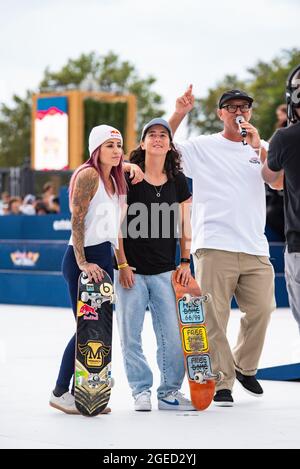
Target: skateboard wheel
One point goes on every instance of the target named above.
(207, 298)
(106, 289)
(111, 382)
(186, 298)
(113, 299)
(199, 378)
(84, 296)
(84, 279)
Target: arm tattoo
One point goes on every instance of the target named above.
(86, 185)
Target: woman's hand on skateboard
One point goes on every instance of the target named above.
(183, 274)
(126, 277)
(93, 271)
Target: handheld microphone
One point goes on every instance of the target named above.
(239, 120)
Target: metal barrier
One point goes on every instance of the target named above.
(21, 180)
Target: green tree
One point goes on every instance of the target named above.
(15, 123)
(109, 73)
(266, 83)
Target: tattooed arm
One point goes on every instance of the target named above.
(86, 185)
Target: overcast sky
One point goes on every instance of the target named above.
(177, 41)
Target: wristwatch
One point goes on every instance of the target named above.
(185, 260)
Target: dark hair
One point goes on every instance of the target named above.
(41, 206)
(172, 162)
(12, 200)
(279, 124)
(47, 186)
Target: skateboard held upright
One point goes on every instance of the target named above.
(191, 320)
(92, 375)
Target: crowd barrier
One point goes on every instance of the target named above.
(31, 252)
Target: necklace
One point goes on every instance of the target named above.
(158, 191)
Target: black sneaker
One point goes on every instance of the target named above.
(223, 398)
(250, 384)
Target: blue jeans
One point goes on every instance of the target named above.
(156, 292)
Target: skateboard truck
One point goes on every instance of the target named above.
(94, 381)
(202, 378)
(205, 298)
(96, 299)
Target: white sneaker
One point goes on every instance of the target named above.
(66, 403)
(175, 401)
(142, 401)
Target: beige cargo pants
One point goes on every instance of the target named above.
(250, 279)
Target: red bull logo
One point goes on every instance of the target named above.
(115, 134)
(88, 313)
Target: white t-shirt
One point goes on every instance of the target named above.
(102, 221)
(229, 202)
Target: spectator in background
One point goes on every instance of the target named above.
(4, 203)
(48, 195)
(281, 113)
(27, 208)
(275, 211)
(4, 198)
(54, 206)
(48, 191)
(41, 208)
(14, 205)
(4, 210)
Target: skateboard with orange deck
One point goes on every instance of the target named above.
(191, 319)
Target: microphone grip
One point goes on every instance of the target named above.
(243, 132)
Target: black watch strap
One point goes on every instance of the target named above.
(184, 260)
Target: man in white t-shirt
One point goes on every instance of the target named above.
(230, 250)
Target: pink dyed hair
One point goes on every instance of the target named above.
(117, 173)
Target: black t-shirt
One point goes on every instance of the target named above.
(150, 228)
(284, 153)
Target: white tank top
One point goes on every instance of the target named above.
(102, 220)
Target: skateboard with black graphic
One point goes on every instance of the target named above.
(93, 381)
(191, 319)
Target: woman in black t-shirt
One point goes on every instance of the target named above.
(146, 260)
